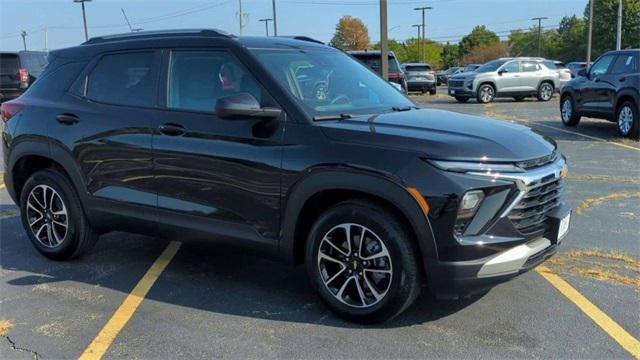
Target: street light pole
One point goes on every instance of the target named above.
(619, 29)
(418, 38)
(266, 25)
(84, 18)
(384, 46)
(589, 36)
(275, 18)
(424, 47)
(24, 39)
(540, 33)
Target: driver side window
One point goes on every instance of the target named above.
(512, 67)
(601, 66)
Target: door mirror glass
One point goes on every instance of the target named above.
(243, 106)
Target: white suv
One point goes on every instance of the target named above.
(506, 77)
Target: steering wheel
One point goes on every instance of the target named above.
(340, 97)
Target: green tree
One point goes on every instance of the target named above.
(410, 51)
(605, 14)
(351, 34)
(525, 43)
(572, 36)
(450, 55)
(480, 35)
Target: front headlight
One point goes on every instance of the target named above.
(476, 167)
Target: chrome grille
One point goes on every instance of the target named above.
(456, 83)
(529, 215)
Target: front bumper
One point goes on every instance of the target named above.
(460, 91)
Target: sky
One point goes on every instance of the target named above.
(449, 20)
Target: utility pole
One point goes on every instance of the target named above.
(84, 18)
(128, 23)
(418, 38)
(424, 47)
(619, 30)
(384, 46)
(46, 38)
(266, 25)
(24, 40)
(275, 19)
(240, 16)
(589, 36)
(540, 33)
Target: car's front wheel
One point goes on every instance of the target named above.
(568, 111)
(432, 91)
(486, 93)
(52, 215)
(628, 121)
(362, 262)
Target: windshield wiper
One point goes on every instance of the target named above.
(332, 117)
(403, 108)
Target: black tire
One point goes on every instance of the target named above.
(569, 115)
(432, 92)
(628, 108)
(486, 93)
(518, 98)
(545, 91)
(462, 99)
(78, 237)
(405, 278)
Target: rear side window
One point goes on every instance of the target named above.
(124, 79)
(9, 64)
(528, 66)
(418, 68)
(625, 64)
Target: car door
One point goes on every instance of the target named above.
(594, 96)
(216, 177)
(619, 76)
(508, 79)
(530, 77)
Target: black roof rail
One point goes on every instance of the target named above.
(158, 34)
(304, 38)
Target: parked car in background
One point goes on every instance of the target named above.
(575, 67)
(609, 90)
(420, 77)
(442, 77)
(471, 67)
(564, 74)
(18, 70)
(372, 59)
(196, 134)
(506, 77)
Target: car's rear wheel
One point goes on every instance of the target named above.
(568, 112)
(545, 91)
(53, 217)
(462, 99)
(362, 262)
(486, 93)
(628, 121)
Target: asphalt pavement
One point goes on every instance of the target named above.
(216, 302)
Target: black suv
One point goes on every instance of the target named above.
(18, 70)
(609, 90)
(201, 134)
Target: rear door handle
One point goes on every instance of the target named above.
(622, 79)
(67, 119)
(171, 129)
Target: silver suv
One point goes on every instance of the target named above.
(506, 77)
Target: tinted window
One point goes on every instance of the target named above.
(124, 79)
(528, 66)
(601, 66)
(374, 62)
(198, 78)
(625, 64)
(34, 62)
(512, 67)
(9, 64)
(490, 66)
(418, 68)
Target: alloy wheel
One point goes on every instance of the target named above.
(47, 216)
(355, 265)
(546, 92)
(486, 94)
(625, 120)
(567, 109)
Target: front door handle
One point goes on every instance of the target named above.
(171, 129)
(67, 119)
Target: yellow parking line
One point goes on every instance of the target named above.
(2, 186)
(600, 199)
(101, 343)
(619, 334)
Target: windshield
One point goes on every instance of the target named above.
(328, 82)
(491, 66)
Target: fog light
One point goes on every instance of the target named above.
(469, 204)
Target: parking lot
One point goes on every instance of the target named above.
(205, 301)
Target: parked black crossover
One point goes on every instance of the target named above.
(18, 70)
(200, 134)
(609, 90)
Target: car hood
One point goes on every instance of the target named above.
(465, 75)
(440, 134)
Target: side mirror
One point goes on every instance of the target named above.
(502, 71)
(582, 72)
(242, 106)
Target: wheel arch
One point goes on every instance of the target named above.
(626, 95)
(316, 192)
